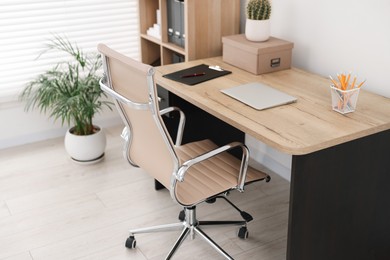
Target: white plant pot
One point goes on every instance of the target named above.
(86, 148)
(257, 30)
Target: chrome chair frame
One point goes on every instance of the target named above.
(179, 171)
(189, 224)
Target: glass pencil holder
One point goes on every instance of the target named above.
(344, 101)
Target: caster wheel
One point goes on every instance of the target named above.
(243, 233)
(131, 242)
(211, 201)
(182, 215)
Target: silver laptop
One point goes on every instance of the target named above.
(259, 96)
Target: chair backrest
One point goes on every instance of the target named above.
(149, 146)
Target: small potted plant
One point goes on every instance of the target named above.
(70, 91)
(257, 26)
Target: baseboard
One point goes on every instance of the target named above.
(32, 138)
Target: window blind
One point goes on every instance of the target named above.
(27, 25)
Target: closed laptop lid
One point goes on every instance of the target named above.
(259, 96)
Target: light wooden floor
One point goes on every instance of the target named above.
(52, 209)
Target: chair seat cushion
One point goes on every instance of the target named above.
(210, 177)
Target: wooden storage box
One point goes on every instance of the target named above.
(257, 57)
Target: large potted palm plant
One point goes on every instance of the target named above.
(70, 91)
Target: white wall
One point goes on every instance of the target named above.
(19, 127)
(331, 37)
(334, 36)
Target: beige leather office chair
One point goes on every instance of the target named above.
(194, 172)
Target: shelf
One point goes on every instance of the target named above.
(151, 38)
(169, 56)
(205, 22)
(174, 48)
(167, 45)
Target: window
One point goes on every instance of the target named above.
(27, 25)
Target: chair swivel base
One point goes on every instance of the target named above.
(190, 226)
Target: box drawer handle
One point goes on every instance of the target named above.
(275, 62)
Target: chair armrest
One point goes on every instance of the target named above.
(180, 127)
(243, 167)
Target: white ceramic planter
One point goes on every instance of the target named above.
(86, 148)
(257, 30)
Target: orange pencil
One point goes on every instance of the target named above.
(346, 83)
(361, 83)
(334, 82)
(353, 82)
(340, 77)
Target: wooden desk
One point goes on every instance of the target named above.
(340, 173)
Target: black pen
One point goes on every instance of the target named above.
(193, 75)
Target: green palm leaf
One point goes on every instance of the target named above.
(70, 91)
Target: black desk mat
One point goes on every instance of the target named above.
(186, 76)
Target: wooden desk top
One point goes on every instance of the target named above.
(300, 128)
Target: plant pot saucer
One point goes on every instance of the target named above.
(88, 162)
